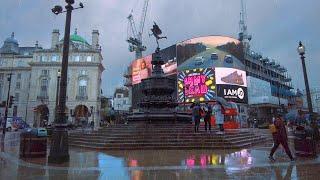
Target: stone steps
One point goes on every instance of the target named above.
(161, 136)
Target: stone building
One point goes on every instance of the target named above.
(15, 60)
(121, 100)
(42, 67)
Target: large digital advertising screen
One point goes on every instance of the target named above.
(206, 46)
(231, 76)
(231, 84)
(233, 93)
(196, 85)
(141, 69)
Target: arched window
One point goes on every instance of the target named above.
(44, 87)
(83, 83)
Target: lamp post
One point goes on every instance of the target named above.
(59, 150)
(57, 92)
(301, 51)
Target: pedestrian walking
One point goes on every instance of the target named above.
(279, 135)
(207, 118)
(219, 115)
(92, 125)
(196, 113)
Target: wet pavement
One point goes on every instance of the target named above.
(249, 163)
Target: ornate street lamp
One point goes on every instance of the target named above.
(59, 150)
(301, 50)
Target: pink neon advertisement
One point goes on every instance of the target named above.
(196, 85)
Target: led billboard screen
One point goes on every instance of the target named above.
(233, 93)
(231, 76)
(196, 85)
(232, 84)
(141, 69)
(207, 46)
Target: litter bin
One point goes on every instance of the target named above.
(32, 145)
(304, 142)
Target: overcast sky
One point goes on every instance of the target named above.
(276, 26)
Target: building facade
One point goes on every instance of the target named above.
(15, 60)
(41, 73)
(121, 100)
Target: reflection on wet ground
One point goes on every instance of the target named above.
(157, 164)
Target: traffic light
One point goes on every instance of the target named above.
(11, 101)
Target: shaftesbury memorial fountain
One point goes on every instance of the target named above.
(158, 104)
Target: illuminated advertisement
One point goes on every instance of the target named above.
(196, 85)
(231, 76)
(211, 49)
(233, 93)
(141, 69)
(232, 84)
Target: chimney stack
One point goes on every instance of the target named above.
(55, 38)
(95, 39)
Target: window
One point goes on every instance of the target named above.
(54, 58)
(44, 87)
(45, 72)
(43, 58)
(20, 63)
(19, 76)
(18, 85)
(83, 72)
(1, 76)
(83, 88)
(89, 58)
(124, 102)
(76, 58)
(16, 97)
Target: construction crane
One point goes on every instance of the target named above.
(243, 35)
(135, 37)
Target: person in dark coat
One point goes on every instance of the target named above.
(280, 137)
(207, 118)
(196, 116)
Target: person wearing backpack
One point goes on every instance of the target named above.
(279, 135)
(219, 115)
(196, 116)
(207, 118)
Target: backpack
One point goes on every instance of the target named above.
(272, 128)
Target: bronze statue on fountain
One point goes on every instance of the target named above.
(158, 104)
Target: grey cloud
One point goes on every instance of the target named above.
(276, 25)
